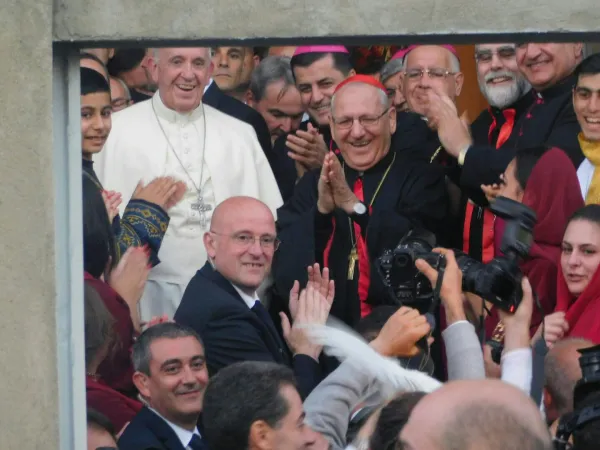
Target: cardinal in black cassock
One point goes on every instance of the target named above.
(359, 204)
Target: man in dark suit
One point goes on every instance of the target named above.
(215, 97)
(220, 302)
(171, 376)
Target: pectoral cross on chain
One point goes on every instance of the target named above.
(202, 208)
(352, 260)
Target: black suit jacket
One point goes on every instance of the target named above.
(216, 98)
(232, 332)
(148, 431)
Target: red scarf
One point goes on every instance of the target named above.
(583, 312)
(118, 408)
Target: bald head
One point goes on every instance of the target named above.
(469, 415)
(562, 371)
(242, 241)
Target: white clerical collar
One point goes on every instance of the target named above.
(185, 436)
(208, 85)
(248, 299)
(173, 116)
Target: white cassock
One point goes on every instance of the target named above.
(233, 164)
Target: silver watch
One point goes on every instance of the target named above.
(359, 208)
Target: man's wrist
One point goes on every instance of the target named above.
(322, 209)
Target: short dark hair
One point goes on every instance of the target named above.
(370, 325)
(341, 61)
(98, 323)
(85, 55)
(99, 247)
(238, 396)
(100, 422)
(125, 59)
(589, 66)
(589, 213)
(141, 354)
(526, 159)
(92, 82)
(473, 425)
(392, 419)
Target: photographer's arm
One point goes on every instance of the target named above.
(516, 362)
(465, 359)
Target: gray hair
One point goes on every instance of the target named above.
(141, 354)
(454, 62)
(391, 68)
(383, 98)
(270, 70)
(124, 86)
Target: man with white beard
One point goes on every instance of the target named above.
(505, 89)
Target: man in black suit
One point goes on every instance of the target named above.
(215, 97)
(221, 305)
(171, 376)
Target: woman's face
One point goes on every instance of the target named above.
(580, 254)
(511, 187)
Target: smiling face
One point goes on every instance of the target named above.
(499, 78)
(177, 380)
(545, 65)
(395, 93)
(182, 74)
(96, 110)
(234, 242)
(586, 102)
(441, 77)
(316, 84)
(362, 124)
(580, 255)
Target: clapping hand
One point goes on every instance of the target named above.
(308, 147)
(453, 131)
(112, 200)
(165, 192)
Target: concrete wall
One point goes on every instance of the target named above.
(28, 374)
(113, 20)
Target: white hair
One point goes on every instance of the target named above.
(156, 51)
(383, 98)
(454, 62)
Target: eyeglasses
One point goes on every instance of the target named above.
(366, 121)
(246, 240)
(485, 56)
(436, 73)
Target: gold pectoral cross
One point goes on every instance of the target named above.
(352, 259)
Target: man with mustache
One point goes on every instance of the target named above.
(550, 119)
(346, 213)
(175, 134)
(391, 75)
(171, 377)
(505, 89)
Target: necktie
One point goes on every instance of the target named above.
(262, 313)
(197, 444)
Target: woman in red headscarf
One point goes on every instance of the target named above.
(545, 180)
(578, 289)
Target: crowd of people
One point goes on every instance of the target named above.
(311, 247)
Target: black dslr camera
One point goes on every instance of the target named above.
(588, 385)
(499, 281)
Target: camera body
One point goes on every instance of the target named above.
(499, 281)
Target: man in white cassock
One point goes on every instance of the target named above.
(175, 134)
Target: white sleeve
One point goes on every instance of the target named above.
(517, 368)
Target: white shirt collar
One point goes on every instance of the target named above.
(208, 85)
(248, 299)
(185, 436)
